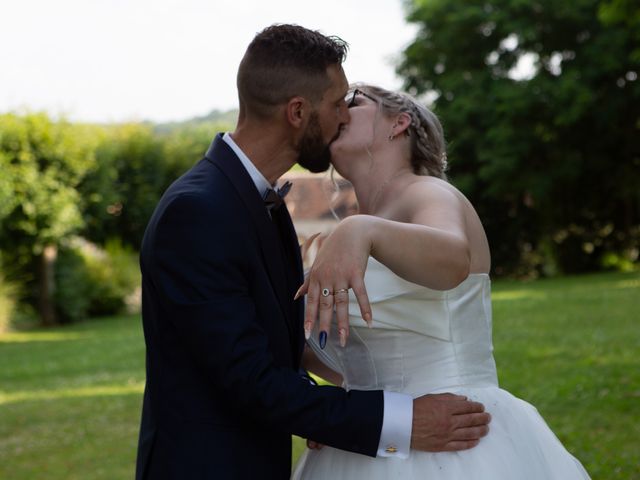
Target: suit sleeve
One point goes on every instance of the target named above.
(198, 263)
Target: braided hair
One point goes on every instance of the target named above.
(427, 143)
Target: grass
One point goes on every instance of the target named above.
(70, 398)
(70, 401)
(571, 347)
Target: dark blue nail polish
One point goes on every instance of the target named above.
(323, 339)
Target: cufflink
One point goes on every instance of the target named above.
(391, 449)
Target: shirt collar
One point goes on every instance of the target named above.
(261, 183)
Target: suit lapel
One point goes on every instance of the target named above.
(294, 274)
(291, 242)
(221, 155)
(298, 310)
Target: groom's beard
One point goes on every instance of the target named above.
(314, 154)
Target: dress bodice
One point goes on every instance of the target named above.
(422, 340)
(427, 341)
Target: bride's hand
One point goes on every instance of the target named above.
(339, 266)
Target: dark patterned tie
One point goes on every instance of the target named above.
(274, 198)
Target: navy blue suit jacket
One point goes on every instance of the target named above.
(224, 337)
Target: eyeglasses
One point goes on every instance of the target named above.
(351, 102)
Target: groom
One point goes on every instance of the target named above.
(220, 266)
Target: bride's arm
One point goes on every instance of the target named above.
(431, 249)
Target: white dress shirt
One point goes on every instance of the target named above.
(261, 183)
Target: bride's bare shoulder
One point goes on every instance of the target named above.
(426, 191)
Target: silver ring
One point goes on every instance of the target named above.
(326, 292)
(342, 290)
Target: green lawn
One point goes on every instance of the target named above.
(70, 397)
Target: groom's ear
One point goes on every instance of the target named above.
(297, 111)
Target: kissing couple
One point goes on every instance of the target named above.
(395, 309)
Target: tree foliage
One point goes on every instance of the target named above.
(125, 184)
(540, 102)
(59, 181)
(42, 164)
(135, 165)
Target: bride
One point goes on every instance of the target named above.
(425, 298)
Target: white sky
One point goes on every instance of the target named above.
(162, 60)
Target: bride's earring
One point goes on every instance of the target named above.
(392, 136)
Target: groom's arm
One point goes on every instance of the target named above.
(432, 423)
(199, 262)
(443, 422)
(395, 437)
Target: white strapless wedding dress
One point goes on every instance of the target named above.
(427, 341)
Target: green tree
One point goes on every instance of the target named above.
(42, 163)
(135, 165)
(185, 144)
(541, 105)
(125, 184)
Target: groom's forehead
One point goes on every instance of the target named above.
(339, 86)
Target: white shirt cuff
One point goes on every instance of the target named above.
(395, 438)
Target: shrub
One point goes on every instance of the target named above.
(72, 280)
(114, 277)
(91, 281)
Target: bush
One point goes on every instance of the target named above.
(94, 282)
(72, 279)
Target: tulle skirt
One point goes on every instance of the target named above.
(519, 446)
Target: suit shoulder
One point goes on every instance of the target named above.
(203, 189)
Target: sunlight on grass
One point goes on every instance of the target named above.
(633, 283)
(517, 295)
(24, 337)
(79, 392)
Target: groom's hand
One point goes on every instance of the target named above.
(447, 422)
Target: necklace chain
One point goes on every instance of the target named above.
(374, 202)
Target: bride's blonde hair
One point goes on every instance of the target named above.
(427, 143)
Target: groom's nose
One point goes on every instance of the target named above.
(346, 117)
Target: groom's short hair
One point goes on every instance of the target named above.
(284, 61)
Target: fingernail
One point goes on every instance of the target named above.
(307, 332)
(343, 337)
(297, 295)
(323, 339)
(367, 318)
